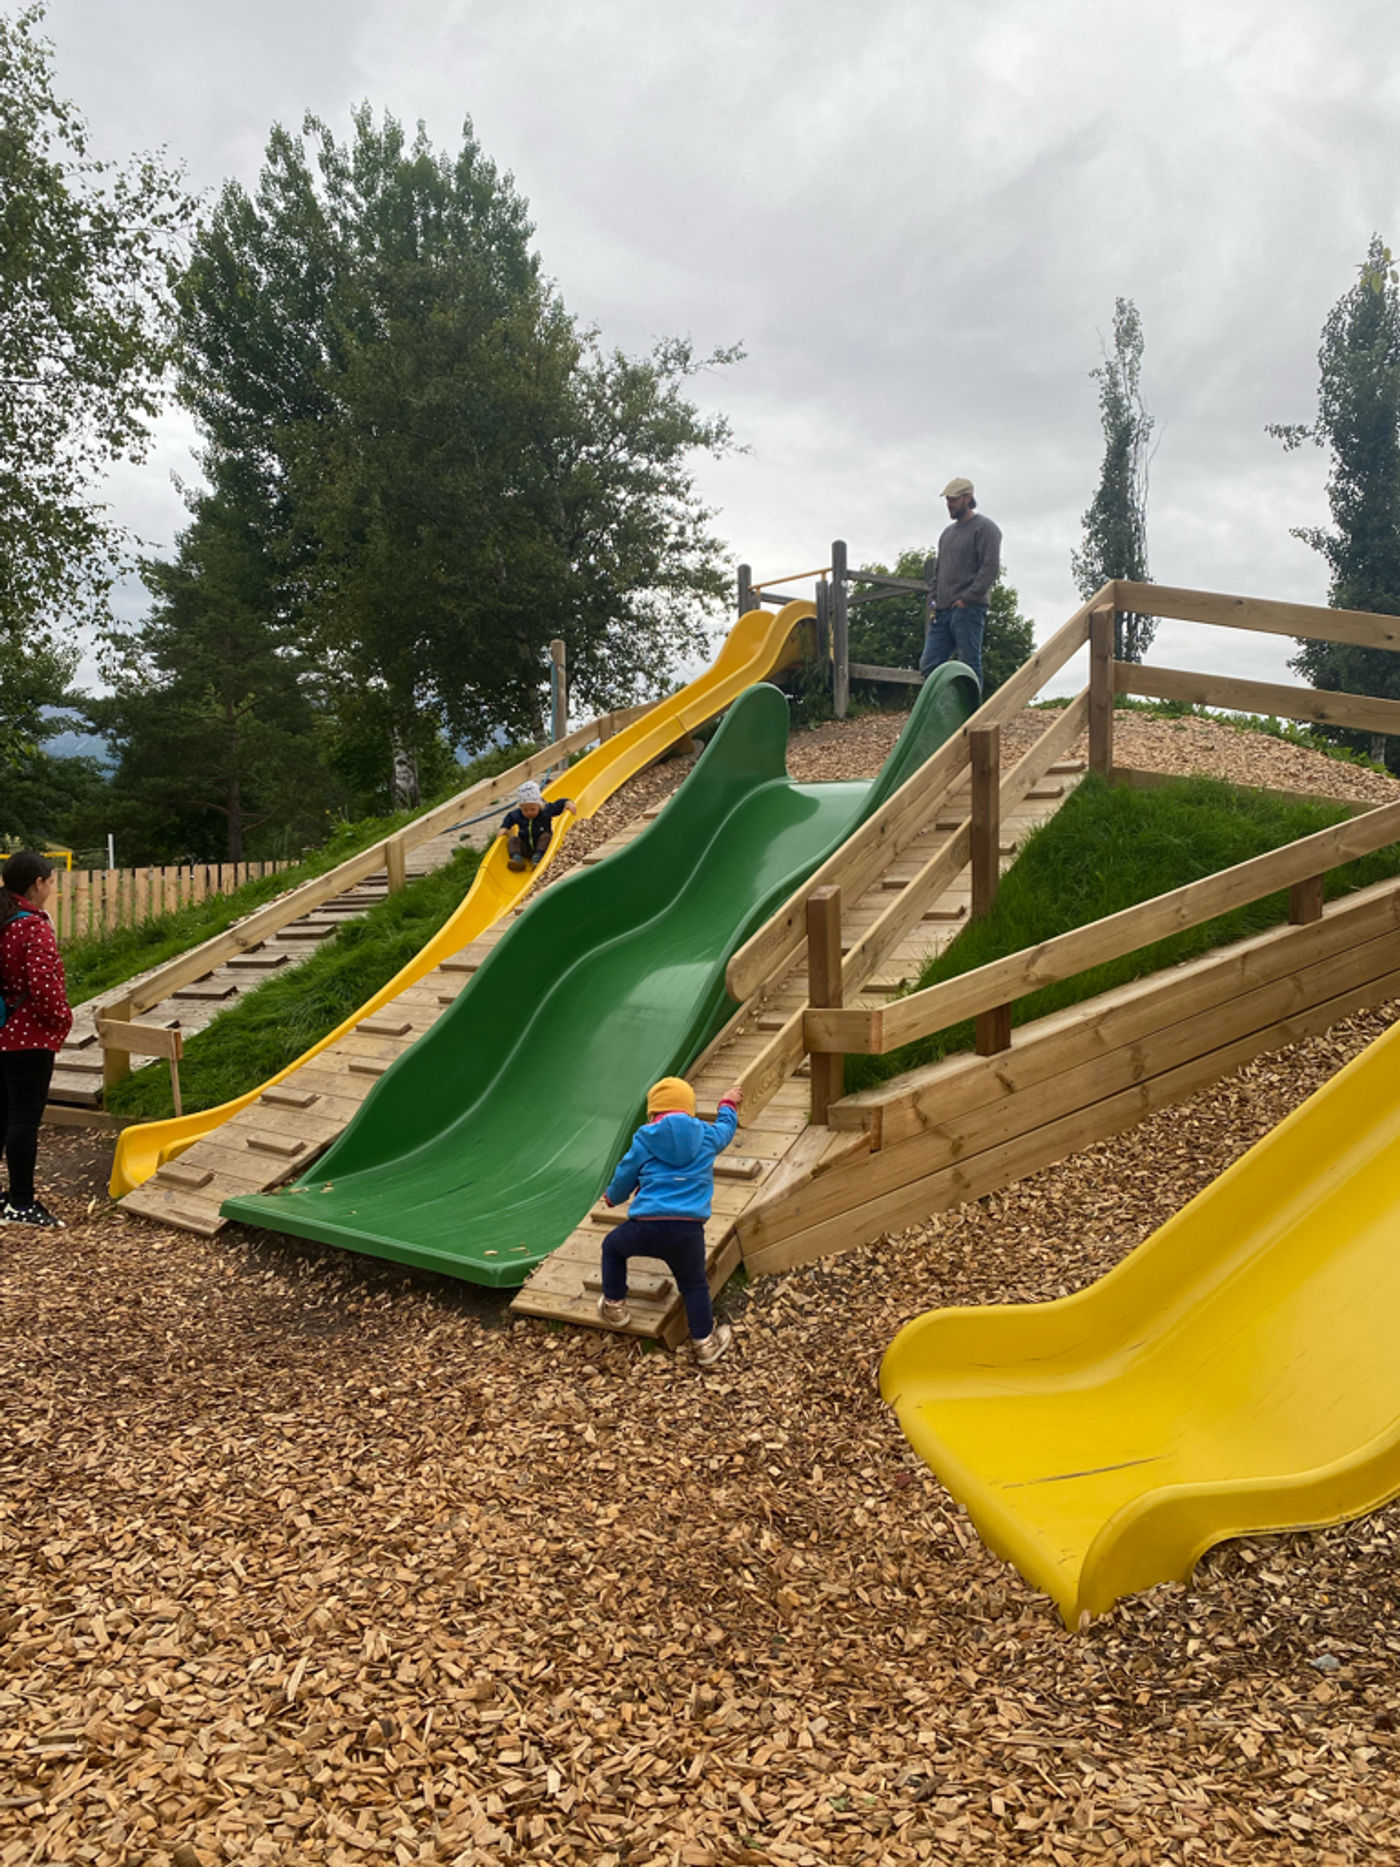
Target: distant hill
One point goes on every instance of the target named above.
(76, 744)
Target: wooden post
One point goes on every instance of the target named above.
(395, 863)
(840, 637)
(116, 1064)
(1306, 900)
(746, 602)
(985, 742)
(824, 990)
(559, 691)
(1101, 692)
(992, 1028)
(823, 621)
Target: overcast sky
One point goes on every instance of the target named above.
(915, 216)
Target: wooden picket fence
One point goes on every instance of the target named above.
(96, 901)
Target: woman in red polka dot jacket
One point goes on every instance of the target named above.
(36, 1021)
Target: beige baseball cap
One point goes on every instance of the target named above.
(956, 487)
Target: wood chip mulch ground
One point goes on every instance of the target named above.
(306, 1559)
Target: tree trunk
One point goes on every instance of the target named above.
(1378, 747)
(235, 821)
(404, 792)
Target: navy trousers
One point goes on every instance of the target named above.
(680, 1245)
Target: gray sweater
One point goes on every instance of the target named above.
(969, 556)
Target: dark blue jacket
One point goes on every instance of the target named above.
(672, 1164)
(534, 832)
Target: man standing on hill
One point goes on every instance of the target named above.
(969, 557)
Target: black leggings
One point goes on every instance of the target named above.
(24, 1089)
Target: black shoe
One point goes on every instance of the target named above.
(33, 1214)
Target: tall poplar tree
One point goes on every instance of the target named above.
(1115, 525)
(1358, 420)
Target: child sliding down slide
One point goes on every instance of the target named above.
(529, 827)
(671, 1166)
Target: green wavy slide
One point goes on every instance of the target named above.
(484, 1145)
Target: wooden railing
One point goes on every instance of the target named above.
(987, 994)
(783, 939)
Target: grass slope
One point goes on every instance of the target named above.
(1108, 849)
(271, 1027)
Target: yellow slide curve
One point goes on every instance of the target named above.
(1237, 1373)
(759, 644)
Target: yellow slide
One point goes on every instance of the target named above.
(1237, 1373)
(759, 644)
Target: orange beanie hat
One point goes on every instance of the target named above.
(670, 1096)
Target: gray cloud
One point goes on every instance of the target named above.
(916, 218)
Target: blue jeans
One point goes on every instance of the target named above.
(954, 635)
(680, 1245)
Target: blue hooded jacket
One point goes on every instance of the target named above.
(671, 1161)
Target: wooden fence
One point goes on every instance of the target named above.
(96, 901)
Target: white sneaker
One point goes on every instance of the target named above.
(714, 1346)
(615, 1315)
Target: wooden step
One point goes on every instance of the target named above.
(285, 1147)
(737, 1167)
(257, 962)
(368, 1066)
(189, 1179)
(286, 1096)
(207, 992)
(384, 1027)
(642, 1286)
(307, 930)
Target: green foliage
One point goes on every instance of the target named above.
(33, 675)
(1358, 419)
(447, 471)
(212, 712)
(43, 797)
(890, 633)
(1115, 525)
(271, 1027)
(1107, 849)
(83, 327)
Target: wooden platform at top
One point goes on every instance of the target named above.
(776, 1131)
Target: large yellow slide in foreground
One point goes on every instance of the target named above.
(759, 644)
(1237, 1373)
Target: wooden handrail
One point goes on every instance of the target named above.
(873, 1033)
(1311, 621)
(778, 943)
(1360, 712)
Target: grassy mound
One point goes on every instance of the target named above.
(271, 1027)
(1110, 848)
